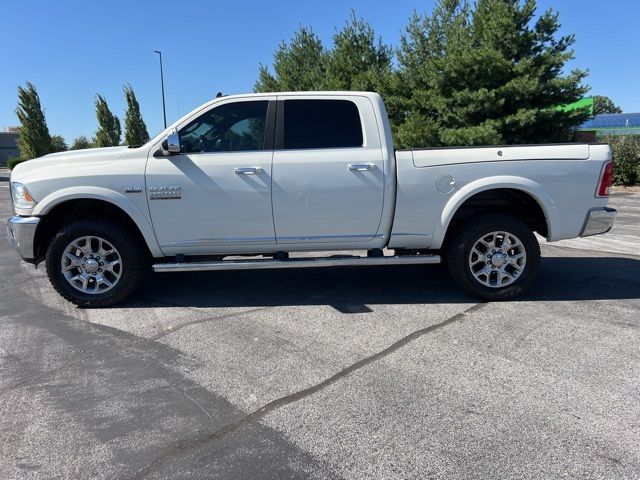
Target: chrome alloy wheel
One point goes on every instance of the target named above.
(91, 265)
(497, 259)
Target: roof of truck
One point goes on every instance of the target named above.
(308, 92)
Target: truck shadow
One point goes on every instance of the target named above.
(355, 289)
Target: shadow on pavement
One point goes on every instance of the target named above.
(586, 278)
(351, 289)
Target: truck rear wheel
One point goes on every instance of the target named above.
(494, 256)
(94, 263)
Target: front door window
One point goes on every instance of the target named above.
(234, 127)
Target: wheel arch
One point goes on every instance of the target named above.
(505, 194)
(91, 202)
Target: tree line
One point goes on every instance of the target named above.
(35, 140)
(488, 73)
(491, 72)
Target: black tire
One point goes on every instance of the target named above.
(464, 239)
(133, 256)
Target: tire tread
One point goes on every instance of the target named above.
(127, 245)
(460, 244)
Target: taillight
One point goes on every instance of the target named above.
(606, 180)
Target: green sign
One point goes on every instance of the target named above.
(582, 103)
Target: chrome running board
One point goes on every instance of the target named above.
(261, 263)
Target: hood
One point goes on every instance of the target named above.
(87, 157)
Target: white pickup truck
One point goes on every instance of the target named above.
(244, 180)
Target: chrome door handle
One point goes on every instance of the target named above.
(247, 170)
(361, 167)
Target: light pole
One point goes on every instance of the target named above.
(164, 109)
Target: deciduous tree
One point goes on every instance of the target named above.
(58, 143)
(81, 143)
(626, 153)
(602, 104)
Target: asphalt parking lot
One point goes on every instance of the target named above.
(359, 373)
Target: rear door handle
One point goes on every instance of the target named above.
(247, 170)
(361, 167)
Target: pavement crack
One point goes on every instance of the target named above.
(195, 402)
(45, 374)
(176, 328)
(187, 446)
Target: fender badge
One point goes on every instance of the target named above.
(132, 189)
(165, 193)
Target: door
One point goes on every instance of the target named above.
(215, 195)
(328, 171)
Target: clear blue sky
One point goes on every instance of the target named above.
(72, 49)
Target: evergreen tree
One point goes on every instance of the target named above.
(602, 104)
(486, 75)
(34, 139)
(421, 56)
(109, 130)
(81, 143)
(299, 65)
(358, 61)
(135, 130)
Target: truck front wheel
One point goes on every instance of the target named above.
(94, 262)
(494, 256)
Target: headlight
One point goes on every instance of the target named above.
(21, 196)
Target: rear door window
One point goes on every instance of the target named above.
(321, 124)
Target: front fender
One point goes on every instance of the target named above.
(106, 195)
(537, 191)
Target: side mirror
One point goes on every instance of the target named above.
(171, 144)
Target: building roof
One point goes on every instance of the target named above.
(614, 124)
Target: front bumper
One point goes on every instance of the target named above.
(22, 232)
(598, 220)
